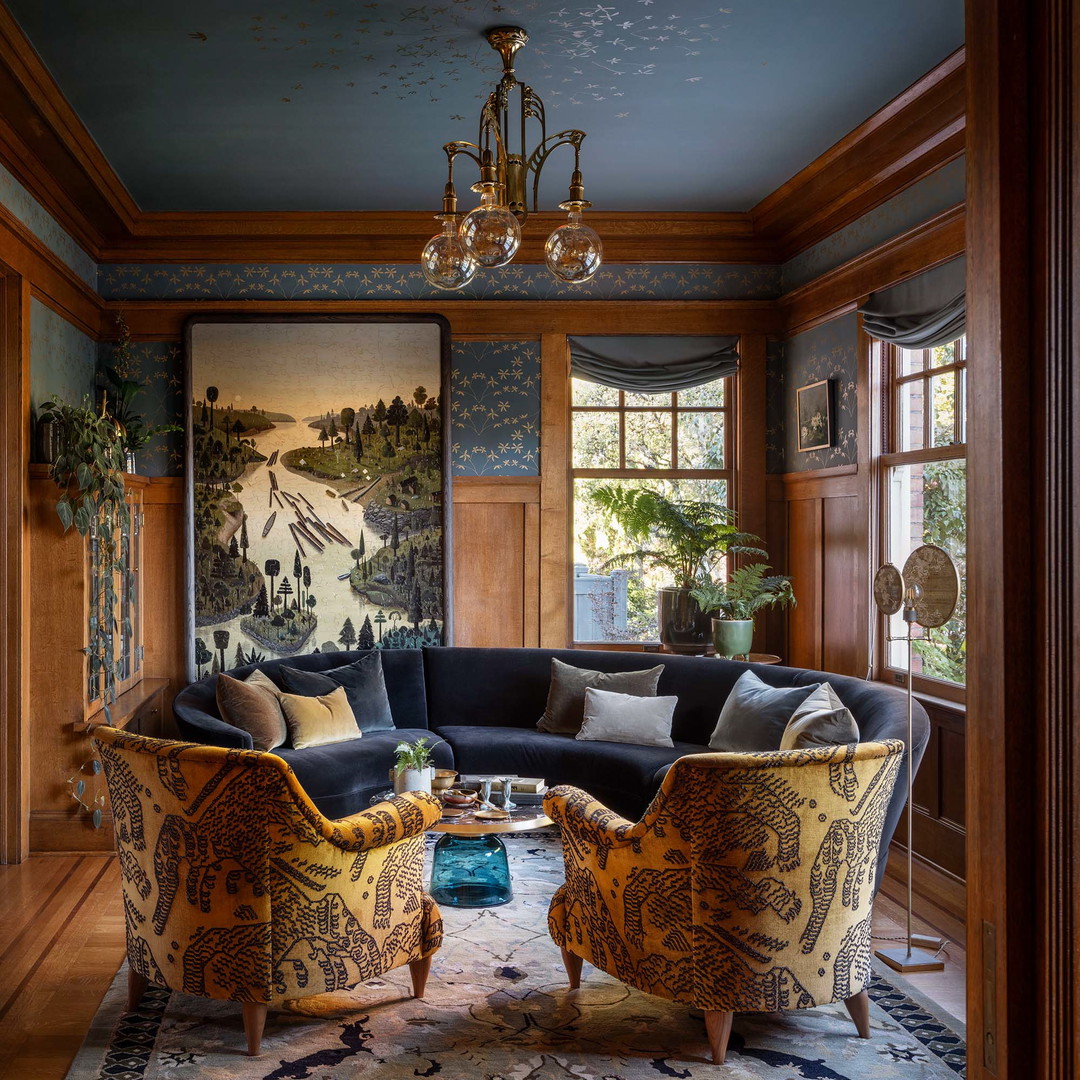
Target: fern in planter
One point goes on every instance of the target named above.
(686, 537)
(89, 472)
(748, 591)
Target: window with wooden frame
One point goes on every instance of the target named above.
(924, 498)
(678, 443)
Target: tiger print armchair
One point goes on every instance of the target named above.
(236, 887)
(746, 886)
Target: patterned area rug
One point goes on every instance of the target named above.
(497, 1008)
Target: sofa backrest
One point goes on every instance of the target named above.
(403, 669)
(509, 687)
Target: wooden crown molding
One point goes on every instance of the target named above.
(917, 132)
(48, 149)
(399, 237)
(839, 291)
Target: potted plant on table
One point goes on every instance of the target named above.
(688, 538)
(414, 766)
(734, 603)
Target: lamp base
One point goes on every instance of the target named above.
(907, 960)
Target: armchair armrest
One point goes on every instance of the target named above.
(389, 822)
(578, 813)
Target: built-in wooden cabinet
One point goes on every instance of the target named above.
(66, 696)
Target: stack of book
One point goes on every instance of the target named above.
(526, 790)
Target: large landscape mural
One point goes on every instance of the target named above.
(316, 487)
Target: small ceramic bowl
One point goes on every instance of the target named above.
(443, 780)
(459, 797)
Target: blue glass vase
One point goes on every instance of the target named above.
(471, 871)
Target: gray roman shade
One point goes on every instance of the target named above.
(922, 312)
(653, 364)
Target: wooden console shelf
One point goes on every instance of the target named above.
(138, 703)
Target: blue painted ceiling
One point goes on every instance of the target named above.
(345, 104)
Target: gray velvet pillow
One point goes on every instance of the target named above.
(627, 718)
(566, 695)
(755, 715)
(821, 720)
(364, 683)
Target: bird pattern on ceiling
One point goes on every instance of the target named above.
(610, 47)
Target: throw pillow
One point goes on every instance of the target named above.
(755, 714)
(252, 705)
(627, 718)
(364, 683)
(316, 721)
(821, 720)
(566, 695)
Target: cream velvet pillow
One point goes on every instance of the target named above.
(315, 721)
(821, 720)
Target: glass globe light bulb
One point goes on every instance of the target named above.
(573, 252)
(490, 233)
(445, 262)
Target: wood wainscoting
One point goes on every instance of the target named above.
(823, 517)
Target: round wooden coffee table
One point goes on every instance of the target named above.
(470, 867)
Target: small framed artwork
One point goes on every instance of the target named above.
(816, 415)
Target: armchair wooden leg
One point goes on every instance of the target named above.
(254, 1022)
(572, 964)
(419, 969)
(718, 1025)
(136, 985)
(858, 1008)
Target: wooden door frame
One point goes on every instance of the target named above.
(1023, 769)
(14, 566)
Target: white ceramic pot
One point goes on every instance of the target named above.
(413, 780)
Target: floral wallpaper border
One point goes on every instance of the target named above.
(941, 189)
(23, 206)
(364, 281)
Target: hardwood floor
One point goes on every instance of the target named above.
(62, 941)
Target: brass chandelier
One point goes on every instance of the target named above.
(490, 235)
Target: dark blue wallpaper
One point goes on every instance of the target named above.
(495, 408)
(828, 351)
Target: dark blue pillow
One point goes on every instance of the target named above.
(364, 683)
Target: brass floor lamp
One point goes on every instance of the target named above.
(927, 592)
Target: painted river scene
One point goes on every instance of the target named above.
(317, 489)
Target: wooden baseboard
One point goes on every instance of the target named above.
(938, 897)
(55, 831)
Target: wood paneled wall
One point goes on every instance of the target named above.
(823, 518)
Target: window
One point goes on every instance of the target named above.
(679, 443)
(924, 495)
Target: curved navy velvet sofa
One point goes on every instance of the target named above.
(484, 703)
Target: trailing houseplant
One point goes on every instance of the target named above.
(686, 537)
(734, 603)
(89, 471)
(121, 390)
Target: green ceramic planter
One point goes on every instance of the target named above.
(733, 637)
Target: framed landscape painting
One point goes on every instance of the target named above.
(815, 415)
(318, 490)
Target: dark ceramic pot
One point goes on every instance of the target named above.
(684, 627)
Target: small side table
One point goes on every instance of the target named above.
(470, 867)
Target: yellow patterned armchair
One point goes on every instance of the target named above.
(746, 887)
(236, 887)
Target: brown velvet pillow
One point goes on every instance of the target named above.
(253, 705)
(566, 697)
